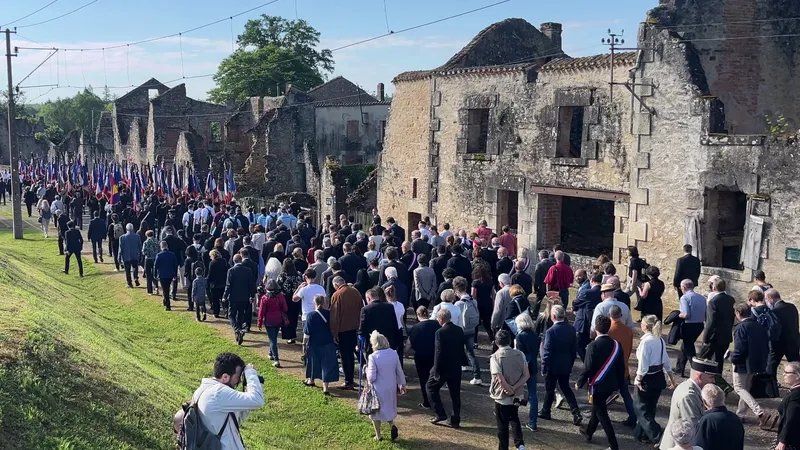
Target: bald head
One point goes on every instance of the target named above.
(502, 252)
(559, 256)
(519, 266)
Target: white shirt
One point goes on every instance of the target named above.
(258, 240)
(187, 216)
(455, 313)
(307, 295)
(651, 352)
(216, 400)
(604, 307)
(399, 311)
(378, 240)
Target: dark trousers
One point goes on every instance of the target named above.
(77, 216)
(28, 206)
(97, 250)
(293, 313)
(583, 342)
(216, 299)
(236, 314)
(248, 321)
(550, 381)
(60, 243)
(189, 297)
(716, 352)
(113, 250)
(564, 294)
(149, 264)
(690, 331)
(776, 354)
(131, 266)
(508, 415)
(165, 282)
(485, 309)
(77, 257)
(646, 404)
(454, 386)
(600, 415)
(424, 365)
(347, 349)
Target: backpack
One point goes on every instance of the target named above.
(119, 230)
(192, 434)
(770, 323)
(470, 316)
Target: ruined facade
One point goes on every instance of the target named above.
(26, 140)
(547, 147)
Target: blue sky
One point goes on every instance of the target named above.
(112, 22)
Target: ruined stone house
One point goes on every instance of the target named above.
(522, 135)
(26, 140)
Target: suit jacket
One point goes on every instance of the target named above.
(750, 347)
(490, 256)
(240, 285)
(597, 353)
(438, 265)
(351, 264)
(583, 306)
(130, 247)
(398, 232)
(253, 266)
(719, 320)
(74, 240)
(686, 268)
(402, 272)
(421, 247)
(505, 265)
(686, 404)
(379, 316)
(97, 230)
(719, 429)
(560, 348)
(462, 267)
(539, 274)
(790, 335)
(448, 352)
(425, 284)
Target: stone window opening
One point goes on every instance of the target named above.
(215, 131)
(582, 226)
(570, 131)
(353, 135)
(413, 188)
(508, 209)
(477, 130)
(233, 133)
(382, 131)
(152, 93)
(724, 228)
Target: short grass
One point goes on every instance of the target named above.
(86, 364)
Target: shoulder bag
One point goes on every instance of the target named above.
(654, 379)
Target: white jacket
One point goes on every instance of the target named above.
(215, 400)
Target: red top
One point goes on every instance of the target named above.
(310, 255)
(484, 233)
(509, 242)
(271, 310)
(559, 276)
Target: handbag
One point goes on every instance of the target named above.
(655, 381)
(511, 323)
(770, 421)
(368, 401)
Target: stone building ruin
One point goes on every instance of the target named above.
(525, 136)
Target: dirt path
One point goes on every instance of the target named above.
(478, 423)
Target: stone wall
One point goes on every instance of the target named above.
(26, 141)
(332, 132)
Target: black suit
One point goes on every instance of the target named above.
(686, 268)
(178, 248)
(597, 354)
(74, 242)
(402, 273)
(240, 287)
(447, 359)
(719, 328)
(490, 256)
(462, 267)
(379, 316)
(351, 264)
(438, 265)
(786, 313)
(539, 274)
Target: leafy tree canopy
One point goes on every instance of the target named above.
(272, 51)
(74, 113)
(52, 133)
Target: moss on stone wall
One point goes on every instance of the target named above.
(356, 174)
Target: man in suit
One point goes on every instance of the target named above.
(62, 220)
(165, 268)
(460, 264)
(402, 270)
(130, 252)
(422, 338)
(439, 263)
(687, 403)
(351, 263)
(719, 323)
(447, 360)
(240, 287)
(789, 343)
(177, 247)
(251, 264)
(74, 242)
(540, 273)
(96, 234)
(521, 277)
(686, 268)
(749, 357)
(398, 231)
(491, 256)
(504, 263)
(558, 356)
(583, 306)
(604, 371)
(345, 311)
(718, 428)
(377, 315)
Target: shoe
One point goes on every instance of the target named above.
(559, 401)
(346, 387)
(630, 423)
(582, 430)
(476, 382)
(577, 418)
(130, 286)
(611, 398)
(168, 308)
(204, 317)
(81, 275)
(521, 447)
(531, 427)
(136, 282)
(276, 364)
(290, 341)
(452, 424)
(545, 416)
(436, 419)
(192, 309)
(271, 358)
(395, 433)
(216, 316)
(327, 393)
(424, 406)
(240, 338)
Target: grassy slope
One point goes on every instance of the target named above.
(87, 364)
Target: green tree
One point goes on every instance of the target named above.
(53, 133)
(271, 52)
(22, 108)
(73, 113)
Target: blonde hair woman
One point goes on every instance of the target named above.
(651, 372)
(385, 375)
(45, 216)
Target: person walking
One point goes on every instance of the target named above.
(719, 323)
(74, 242)
(130, 251)
(271, 312)
(652, 367)
(687, 403)
(114, 232)
(149, 251)
(584, 305)
(199, 292)
(789, 343)
(346, 304)
(45, 216)
(422, 339)
(378, 314)
(385, 376)
(217, 277)
(686, 268)
(289, 280)
(623, 334)
(718, 428)
(239, 289)
(693, 312)
(508, 389)
(468, 310)
(424, 283)
(447, 361)
(96, 234)
(559, 278)
(165, 269)
(749, 358)
(604, 372)
(61, 223)
(650, 293)
(321, 361)
(558, 355)
(528, 342)
(789, 409)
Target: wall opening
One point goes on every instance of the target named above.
(508, 210)
(215, 130)
(413, 188)
(413, 223)
(570, 132)
(723, 230)
(152, 93)
(477, 130)
(583, 226)
(353, 135)
(234, 132)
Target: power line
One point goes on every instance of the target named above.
(58, 17)
(28, 15)
(145, 41)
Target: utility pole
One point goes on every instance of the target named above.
(16, 195)
(613, 41)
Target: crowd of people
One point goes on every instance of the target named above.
(355, 290)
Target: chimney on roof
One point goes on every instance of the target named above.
(381, 94)
(553, 31)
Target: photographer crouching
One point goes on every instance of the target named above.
(217, 408)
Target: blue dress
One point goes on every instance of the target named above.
(321, 362)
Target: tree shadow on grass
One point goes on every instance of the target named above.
(51, 399)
